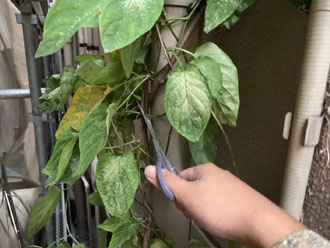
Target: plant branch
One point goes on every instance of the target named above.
(129, 96)
(182, 50)
(169, 25)
(168, 139)
(227, 142)
(163, 46)
(66, 218)
(122, 144)
(162, 74)
(178, 59)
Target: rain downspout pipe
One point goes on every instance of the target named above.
(309, 102)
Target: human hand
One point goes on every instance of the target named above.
(225, 206)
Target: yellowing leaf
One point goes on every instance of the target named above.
(84, 101)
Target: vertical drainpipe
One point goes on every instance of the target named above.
(167, 217)
(309, 104)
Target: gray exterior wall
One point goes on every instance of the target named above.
(266, 45)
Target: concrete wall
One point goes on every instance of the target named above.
(316, 212)
(266, 46)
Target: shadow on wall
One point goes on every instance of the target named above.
(266, 46)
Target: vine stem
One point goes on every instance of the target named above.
(66, 218)
(140, 203)
(182, 50)
(178, 59)
(227, 142)
(170, 26)
(194, 7)
(129, 96)
(58, 240)
(163, 46)
(123, 144)
(147, 154)
(162, 74)
(149, 115)
(168, 139)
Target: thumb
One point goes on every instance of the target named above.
(174, 182)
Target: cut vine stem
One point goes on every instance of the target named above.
(163, 46)
(227, 142)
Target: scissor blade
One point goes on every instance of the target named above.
(151, 130)
(161, 157)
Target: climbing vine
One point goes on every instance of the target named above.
(100, 122)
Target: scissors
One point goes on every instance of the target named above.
(162, 161)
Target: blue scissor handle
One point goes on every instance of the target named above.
(162, 161)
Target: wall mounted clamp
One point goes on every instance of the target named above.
(312, 129)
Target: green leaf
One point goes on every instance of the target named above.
(66, 156)
(114, 56)
(54, 82)
(188, 101)
(117, 178)
(142, 55)
(43, 210)
(125, 232)
(217, 11)
(64, 244)
(226, 107)
(65, 18)
(95, 199)
(51, 168)
(195, 243)
(127, 128)
(34, 246)
(128, 55)
(113, 224)
(93, 136)
(211, 71)
(72, 172)
(51, 101)
(230, 21)
(111, 111)
(52, 95)
(87, 56)
(102, 238)
(78, 84)
(122, 228)
(89, 69)
(110, 74)
(160, 243)
(122, 22)
(68, 77)
(205, 149)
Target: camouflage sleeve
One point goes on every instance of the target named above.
(302, 239)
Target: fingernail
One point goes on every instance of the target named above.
(150, 172)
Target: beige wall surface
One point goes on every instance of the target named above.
(266, 45)
(16, 134)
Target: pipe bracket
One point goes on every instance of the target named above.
(33, 19)
(287, 126)
(313, 130)
(44, 117)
